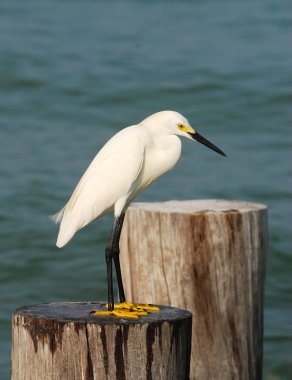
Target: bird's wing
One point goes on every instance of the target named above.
(109, 178)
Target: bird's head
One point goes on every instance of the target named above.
(171, 122)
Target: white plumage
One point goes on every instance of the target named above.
(128, 163)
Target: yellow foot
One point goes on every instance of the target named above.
(127, 310)
(135, 307)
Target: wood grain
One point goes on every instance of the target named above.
(208, 257)
(61, 341)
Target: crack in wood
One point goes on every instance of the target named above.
(89, 368)
(119, 356)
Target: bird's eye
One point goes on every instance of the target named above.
(181, 126)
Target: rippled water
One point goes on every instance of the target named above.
(73, 73)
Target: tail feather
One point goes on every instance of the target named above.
(66, 231)
(57, 218)
(65, 235)
(70, 223)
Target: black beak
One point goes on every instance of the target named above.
(196, 136)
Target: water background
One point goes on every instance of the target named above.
(72, 73)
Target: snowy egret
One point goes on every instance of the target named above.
(128, 163)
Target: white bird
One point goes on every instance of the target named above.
(129, 162)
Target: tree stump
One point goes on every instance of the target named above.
(62, 341)
(208, 257)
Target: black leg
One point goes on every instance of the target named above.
(112, 251)
(108, 258)
(117, 258)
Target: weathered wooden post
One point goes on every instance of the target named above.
(208, 257)
(61, 341)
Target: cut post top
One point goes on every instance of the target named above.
(64, 312)
(199, 206)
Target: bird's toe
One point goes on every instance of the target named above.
(127, 310)
(137, 307)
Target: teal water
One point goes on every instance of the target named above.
(73, 73)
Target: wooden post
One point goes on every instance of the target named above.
(61, 341)
(208, 257)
